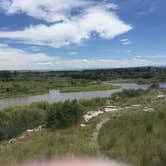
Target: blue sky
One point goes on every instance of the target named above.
(81, 34)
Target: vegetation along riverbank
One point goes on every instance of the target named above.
(49, 130)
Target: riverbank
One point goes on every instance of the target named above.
(56, 96)
(31, 88)
(79, 141)
(90, 87)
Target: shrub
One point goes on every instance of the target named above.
(133, 93)
(65, 114)
(128, 93)
(149, 128)
(93, 102)
(15, 120)
(161, 115)
(154, 86)
(41, 105)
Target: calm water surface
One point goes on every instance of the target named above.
(55, 95)
(163, 84)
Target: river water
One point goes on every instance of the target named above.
(162, 84)
(55, 95)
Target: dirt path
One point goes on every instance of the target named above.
(104, 119)
(106, 160)
(96, 134)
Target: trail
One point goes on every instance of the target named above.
(104, 159)
(96, 134)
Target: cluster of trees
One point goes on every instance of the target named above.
(62, 115)
(16, 119)
(121, 73)
(6, 76)
(101, 74)
(128, 93)
(155, 86)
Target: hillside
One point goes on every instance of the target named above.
(138, 120)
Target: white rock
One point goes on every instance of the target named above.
(146, 109)
(35, 129)
(136, 105)
(83, 125)
(160, 96)
(11, 141)
(30, 130)
(110, 109)
(21, 137)
(91, 115)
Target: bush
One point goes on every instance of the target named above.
(133, 93)
(149, 127)
(128, 93)
(41, 105)
(65, 114)
(93, 102)
(154, 86)
(15, 120)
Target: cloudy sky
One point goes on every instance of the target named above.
(81, 34)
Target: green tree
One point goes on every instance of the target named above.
(65, 114)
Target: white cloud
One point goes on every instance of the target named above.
(125, 41)
(159, 56)
(110, 6)
(94, 17)
(16, 59)
(48, 10)
(73, 53)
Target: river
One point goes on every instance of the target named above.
(162, 84)
(55, 95)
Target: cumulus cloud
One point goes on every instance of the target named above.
(48, 10)
(88, 18)
(16, 59)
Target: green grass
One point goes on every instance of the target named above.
(31, 87)
(145, 98)
(74, 141)
(89, 87)
(138, 139)
(20, 88)
(16, 119)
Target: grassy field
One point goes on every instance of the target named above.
(74, 141)
(40, 86)
(138, 139)
(31, 87)
(69, 142)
